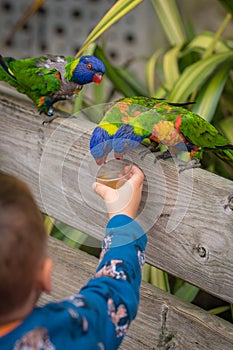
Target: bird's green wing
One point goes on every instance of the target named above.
(200, 132)
(144, 123)
(225, 155)
(121, 112)
(39, 80)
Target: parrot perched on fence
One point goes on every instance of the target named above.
(176, 128)
(48, 79)
(118, 113)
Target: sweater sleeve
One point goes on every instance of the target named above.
(118, 277)
(124, 241)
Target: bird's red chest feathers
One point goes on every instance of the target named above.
(178, 122)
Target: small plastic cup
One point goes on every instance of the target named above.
(114, 173)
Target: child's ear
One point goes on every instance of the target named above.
(44, 275)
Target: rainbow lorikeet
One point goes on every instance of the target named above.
(176, 128)
(118, 113)
(48, 79)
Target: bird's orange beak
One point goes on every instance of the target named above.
(97, 78)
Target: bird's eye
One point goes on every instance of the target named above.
(89, 66)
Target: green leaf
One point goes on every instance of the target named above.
(99, 92)
(159, 279)
(146, 272)
(210, 93)
(201, 43)
(118, 10)
(48, 224)
(69, 234)
(187, 292)
(150, 71)
(226, 126)
(219, 309)
(122, 80)
(228, 4)
(217, 36)
(196, 74)
(78, 101)
(178, 282)
(132, 81)
(171, 67)
(161, 92)
(170, 19)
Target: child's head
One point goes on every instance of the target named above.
(23, 244)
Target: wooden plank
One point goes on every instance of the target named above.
(163, 321)
(186, 215)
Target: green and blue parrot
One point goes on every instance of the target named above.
(176, 128)
(168, 124)
(48, 79)
(118, 113)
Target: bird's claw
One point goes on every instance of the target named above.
(193, 163)
(49, 119)
(144, 153)
(164, 155)
(150, 149)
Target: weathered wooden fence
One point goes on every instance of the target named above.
(188, 217)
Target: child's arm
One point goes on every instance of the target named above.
(109, 301)
(114, 291)
(118, 275)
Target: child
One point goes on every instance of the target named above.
(95, 318)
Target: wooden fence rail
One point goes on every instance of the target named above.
(188, 217)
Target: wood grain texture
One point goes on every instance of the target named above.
(163, 321)
(189, 224)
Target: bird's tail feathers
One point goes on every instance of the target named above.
(220, 147)
(4, 66)
(226, 155)
(226, 147)
(176, 104)
(181, 104)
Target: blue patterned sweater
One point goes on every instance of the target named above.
(98, 316)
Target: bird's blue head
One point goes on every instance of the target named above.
(100, 145)
(124, 140)
(89, 69)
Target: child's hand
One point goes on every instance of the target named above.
(126, 199)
